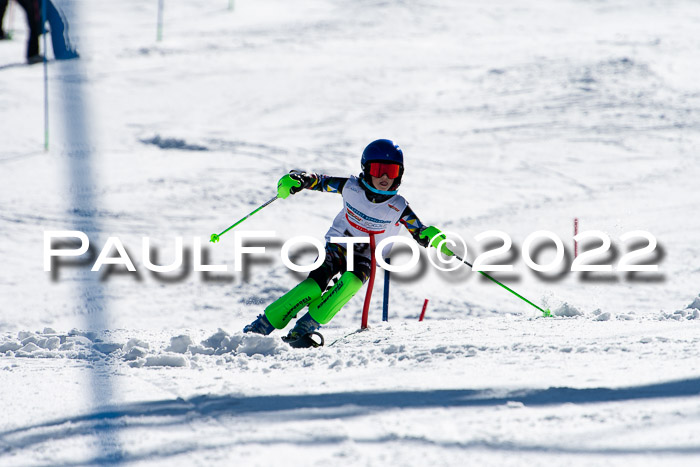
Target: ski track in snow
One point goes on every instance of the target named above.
(512, 117)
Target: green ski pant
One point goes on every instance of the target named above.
(322, 307)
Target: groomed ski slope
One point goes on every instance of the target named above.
(515, 117)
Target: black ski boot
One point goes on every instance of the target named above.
(311, 339)
(302, 335)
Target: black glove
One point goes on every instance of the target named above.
(300, 177)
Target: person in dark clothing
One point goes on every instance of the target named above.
(3, 35)
(58, 26)
(32, 8)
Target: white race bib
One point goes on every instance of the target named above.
(360, 217)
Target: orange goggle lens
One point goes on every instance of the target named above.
(377, 169)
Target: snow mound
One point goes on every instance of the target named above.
(135, 349)
(567, 310)
(10, 346)
(216, 339)
(688, 313)
(600, 316)
(132, 343)
(107, 347)
(179, 344)
(249, 344)
(695, 305)
(263, 345)
(136, 352)
(50, 344)
(166, 359)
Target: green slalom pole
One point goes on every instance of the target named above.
(545, 313)
(215, 237)
(159, 31)
(11, 21)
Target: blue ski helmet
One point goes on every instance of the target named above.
(382, 150)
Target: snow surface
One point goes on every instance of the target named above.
(513, 116)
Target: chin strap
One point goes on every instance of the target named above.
(374, 190)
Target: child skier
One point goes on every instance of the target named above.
(371, 205)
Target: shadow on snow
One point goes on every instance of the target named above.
(164, 413)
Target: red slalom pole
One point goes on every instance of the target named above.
(370, 285)
(425, 307)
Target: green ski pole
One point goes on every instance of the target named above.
(11, 21)
(215, 238)
(545, 313)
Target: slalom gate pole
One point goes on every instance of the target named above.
(385, 305)
(159, 32)
(46, 78)
(425, 307)
(10, 21)
(545, 313)
(370, 284)
(215, 237)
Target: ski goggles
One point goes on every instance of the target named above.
(377, 169)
